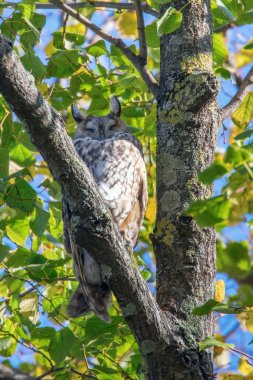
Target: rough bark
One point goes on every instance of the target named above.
(186, 132)
(7, 373)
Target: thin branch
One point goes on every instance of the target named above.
(141, 32)
(97, 4)
(237, 99)
(134, 59)
(104, 4)
(224, 28)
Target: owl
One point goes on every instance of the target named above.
(114, 157)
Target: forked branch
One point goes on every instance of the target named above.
(237, 99)
(119, 43)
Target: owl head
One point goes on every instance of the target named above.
(101, 127)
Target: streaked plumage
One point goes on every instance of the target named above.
(114, 157)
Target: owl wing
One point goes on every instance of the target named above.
(92, 294)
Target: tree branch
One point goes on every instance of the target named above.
(134, 59)
(239, 96)
(92, 224)
(7, 373)
(141, 32)
(97, 4)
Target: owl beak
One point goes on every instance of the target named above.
(101, 132)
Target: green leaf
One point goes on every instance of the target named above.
(212, 305)
(163, 1)
(4, 162)
(234, 259)
(43, 333)
(244, 135)
(19, 258)
(152, 38)
(211, 342)
(18, 230)
(33, 64)
(248, 46)
(61, 344)
(236, 155)
(97, 49)
(64, 63)
(206, 308)
(214, 171)
(76, 38)
(27, 8)
(223, 72)
(244, 113)
(209, 212)
(39, 221)
(4, 252)
(220, 51)
(29, 307)
(20, 195)
(169, 22)
(22, 156)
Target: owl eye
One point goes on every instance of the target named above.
(89, 130)
(112, 127)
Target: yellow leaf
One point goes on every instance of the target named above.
(249, 321)
(151, 210)
(220, 290)
(127, 24)
(245, 368)
(243, 57)
(244, 113)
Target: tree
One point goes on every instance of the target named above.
(172, 334)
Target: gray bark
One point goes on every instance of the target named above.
(165, 330)
(186, 132)
(7, 373)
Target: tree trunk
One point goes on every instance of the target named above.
(186, 138)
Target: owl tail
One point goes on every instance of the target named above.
(79, 306)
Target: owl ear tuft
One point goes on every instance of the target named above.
(115, 106)
(77, 114)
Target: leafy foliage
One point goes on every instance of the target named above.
(36, 274)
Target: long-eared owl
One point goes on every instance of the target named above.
(115, 159)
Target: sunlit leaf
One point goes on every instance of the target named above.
(152, 38)
(220, 291)
(39, 220)
(211, 342)
(214, 171)
(18, 230)
(169, 22)
(61, 344)
(244, 113)
(210, 211)
(220, 51)
(29, 307)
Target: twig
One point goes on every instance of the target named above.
(97, 4)
(141, 32)
(104, 4)
(51, 370)
(134, 59)
(224, 28)
(237, 99)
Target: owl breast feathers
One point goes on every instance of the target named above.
(115, 159)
